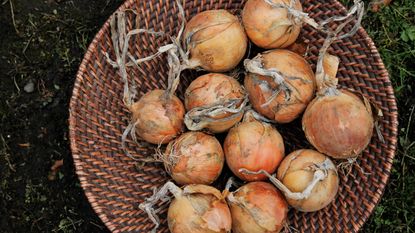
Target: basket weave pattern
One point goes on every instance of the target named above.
(114, 184)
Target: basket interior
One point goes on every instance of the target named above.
(115, 185)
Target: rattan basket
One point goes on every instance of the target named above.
(114, 185)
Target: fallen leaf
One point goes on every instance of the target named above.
(25, 145)
(377, 4)
(54, 169)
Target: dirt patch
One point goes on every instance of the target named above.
(40, 54)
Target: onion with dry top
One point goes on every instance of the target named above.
(214, 102)
(296, 172)
(194, 158)
(253, 145)
(257, 207)
(280, 84)
(337, 122)
(194, 209)
(216, 40)
(269, 26)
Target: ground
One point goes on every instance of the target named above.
(42, 43)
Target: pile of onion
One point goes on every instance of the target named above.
(253, 145)
(194, 209)
(269, 24)
(307, 178)
(214, 102)
(216, 40)
(194, 158)
(280, 84)
(257, 207)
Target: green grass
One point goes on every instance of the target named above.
(393, 30)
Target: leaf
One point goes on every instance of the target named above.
(378, 4)
(404, 36)
(408, 34)
(54, 169)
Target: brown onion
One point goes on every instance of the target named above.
(268, 26)
(337, 122)
(296, 172)
(194, 209)
(257, 207)
(194, 158)
(255, 146)
(216, 40)
(214, 102)
(339, 125)
(158, 118)
(281, 103)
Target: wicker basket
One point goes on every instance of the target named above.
(114, 184)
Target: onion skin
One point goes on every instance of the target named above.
(216, 48)
(261, 22)
(199, 159)
(269, 209)
(340, 126)
(158, 119)
(254, 146)
(289, 64)
(201, 209)
(295, 173)
(213, 89)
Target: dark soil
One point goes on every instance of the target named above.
(42, 43)
(45, 49)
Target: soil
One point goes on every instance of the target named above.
(39, 57)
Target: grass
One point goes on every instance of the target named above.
(43, 42)
(393, 30)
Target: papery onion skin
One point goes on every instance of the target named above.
(290, 64)
(213, 89)
(216, 48)
(265, 209)
(340, 126)
(158, 119)
(254, 146)
(295, 173)
(199, 158)
(261, 22)
(201, 209)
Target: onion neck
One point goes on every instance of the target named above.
(326, 71)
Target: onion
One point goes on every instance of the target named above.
(216, 40)
(194, 209)
(307, 178)
(269, 26)
(194, 158)
(158, 118)
(280, 84)
(215, 102)
(255, 146)
(338, 125)
(296, 172)
(257, 207)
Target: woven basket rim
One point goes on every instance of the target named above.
(75, 96)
